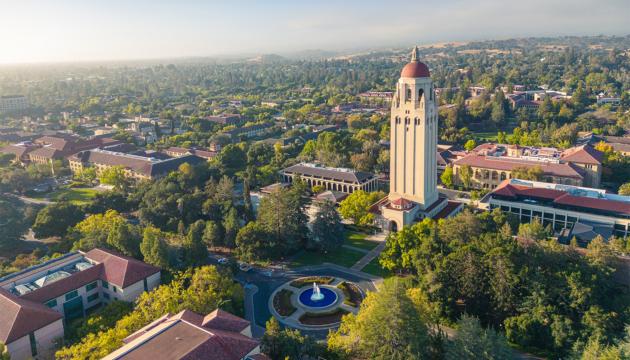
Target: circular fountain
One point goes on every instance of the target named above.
(317, 297)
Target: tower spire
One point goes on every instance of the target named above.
(414, 53)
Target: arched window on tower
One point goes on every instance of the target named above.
(408, 95)
(420, 94)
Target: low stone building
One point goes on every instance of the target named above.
(137, 167)
(335, 179)
(491, 164)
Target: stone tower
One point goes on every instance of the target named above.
(413, 148)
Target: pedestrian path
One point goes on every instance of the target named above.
(373, 254)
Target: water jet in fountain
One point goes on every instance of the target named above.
(317, 294)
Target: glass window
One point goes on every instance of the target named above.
(526, 212)
(51, 303)
(560, 218)
(91, 286)
(538, 214)
(549, 216)
(72, 295)
(114, 288)
(92, 297)
(105, 284)
(106, 295)
(31, 338)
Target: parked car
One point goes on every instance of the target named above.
(268, 273)
(223, 261)
(244, 267)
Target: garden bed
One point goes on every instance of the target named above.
(352, 294)
(320, 280)
(323, 319)
(282, 303)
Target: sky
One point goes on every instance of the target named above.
(34, 31)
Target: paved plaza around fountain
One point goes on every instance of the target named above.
(332, 302)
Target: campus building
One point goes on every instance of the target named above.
(569, 210)
(137, 167)
(413, 193)
(491, 164)
(37, 301)
(334, 179)
(188, 335)
(13, 103)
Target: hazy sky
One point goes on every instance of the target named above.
(78, 30)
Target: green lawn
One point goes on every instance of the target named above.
(374, 268)
(343, 257)
(358, 240)
(489, 136)
(77, 196)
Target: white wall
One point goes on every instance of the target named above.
(44, 337)
(131, 293)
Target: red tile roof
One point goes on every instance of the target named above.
(121, 270)
(114, 268)
(47, 153)
(188, 335)
(585, 154)
(503, 163)
(19, 316)
(223, 320)
(561, 197)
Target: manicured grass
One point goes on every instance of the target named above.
(321, 280)
(77, 196)
(344, 257)
(352, 294)
(489, 136)
(282, 303)
(323, 319)
(358, 240)
(374, 268)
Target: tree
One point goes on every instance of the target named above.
(388, 326)
(465, 175)
(447, 176)
(471, 341)
(327, 232)
(533, 231)
(357, 205)
(106, 230)
(4, 354)
(87, 175)
(196, 251)
(252, 242)
(534, 173)
(213, 234)
(624, 189)
(281, 344)
(114, 176)
(55, 219)
(282, 215)
(470, 145)
(231, 225)
(153, 247)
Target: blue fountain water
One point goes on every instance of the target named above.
(329, 297)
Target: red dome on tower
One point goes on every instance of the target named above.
(415, 68)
